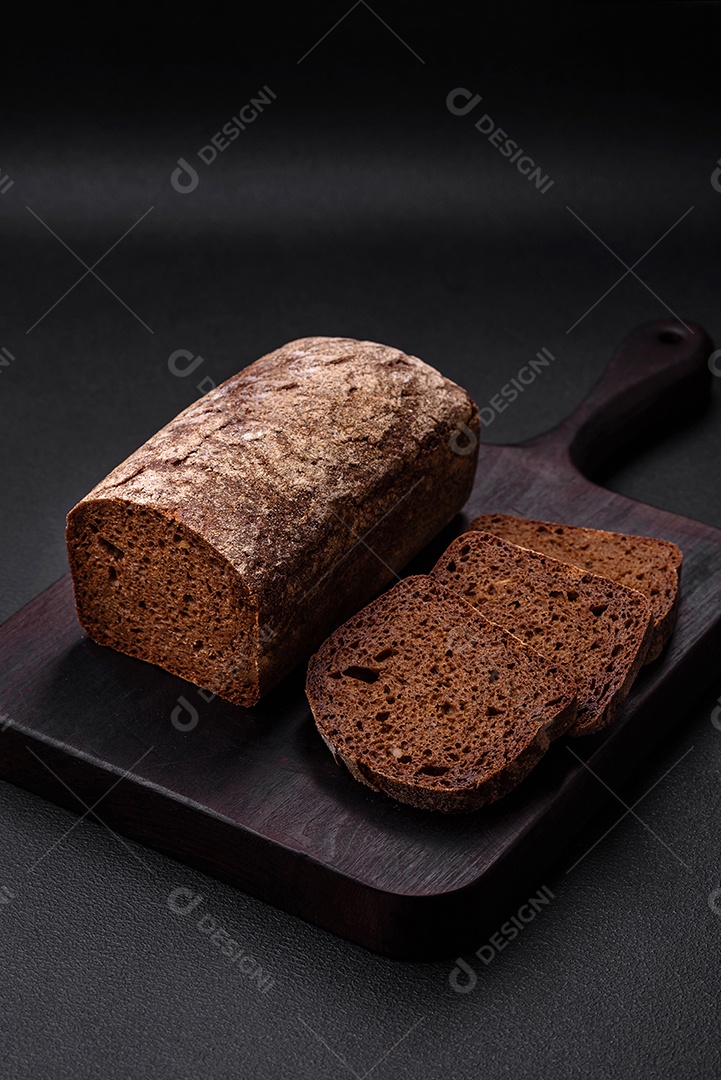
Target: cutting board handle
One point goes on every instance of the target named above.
(660, 370)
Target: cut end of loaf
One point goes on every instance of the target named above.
(425, 700)
(152, 588)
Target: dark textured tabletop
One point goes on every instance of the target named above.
(367, 192)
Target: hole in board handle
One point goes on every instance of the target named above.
(670, 337)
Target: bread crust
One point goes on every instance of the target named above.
(466, 800)
(314, 475)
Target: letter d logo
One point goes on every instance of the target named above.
(716, 177)
(184, 179)
(462, 968)
(184, 706)
(469, 101)
(182, 901)
(467, 447)
(715, 369)
(189, 368)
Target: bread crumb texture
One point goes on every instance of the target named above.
(646, 563)
(424, 699)
(596, 628)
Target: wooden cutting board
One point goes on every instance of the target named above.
(254, 798)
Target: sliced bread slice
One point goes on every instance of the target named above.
(645, 563)
(596, 628)
(427, 701)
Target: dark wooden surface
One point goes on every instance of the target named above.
(253, 797)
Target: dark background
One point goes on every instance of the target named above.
(355, 204)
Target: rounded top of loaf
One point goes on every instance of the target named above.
(300, 435)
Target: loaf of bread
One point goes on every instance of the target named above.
(229, 545)
(422, 698)
(645, 563)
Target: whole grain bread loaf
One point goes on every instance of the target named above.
(645, 563)
(424, 699)
(596, 628)
(230, 544)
